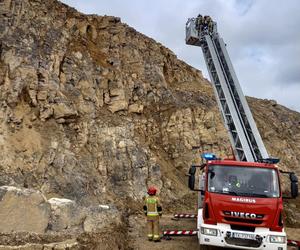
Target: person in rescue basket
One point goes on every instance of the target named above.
(153, 211)
(199, 23)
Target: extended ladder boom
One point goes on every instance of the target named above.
(244, 136)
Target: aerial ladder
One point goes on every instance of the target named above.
(240, 202)
(245, 139)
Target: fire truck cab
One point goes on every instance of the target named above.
(240, 204)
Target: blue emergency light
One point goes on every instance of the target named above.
(209, 156)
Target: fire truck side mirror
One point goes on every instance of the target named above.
(294, 185)
(192, 178)
(192, 182)
(192, 172)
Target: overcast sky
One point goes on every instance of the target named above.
(262, 37)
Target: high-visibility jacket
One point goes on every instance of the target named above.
(152, 206)
(199, 22)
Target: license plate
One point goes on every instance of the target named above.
(243, 236)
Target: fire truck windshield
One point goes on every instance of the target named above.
(243, 181)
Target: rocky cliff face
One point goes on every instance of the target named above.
(90, 107)
(93, 111)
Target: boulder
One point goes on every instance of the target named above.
(118, 105)
(23, 210)
(62, 110)
(65, 214)
(99, 217)
(68, 216)
(136, 108)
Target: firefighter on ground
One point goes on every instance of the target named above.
(153, 211)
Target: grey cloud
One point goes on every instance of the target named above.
(243, 6)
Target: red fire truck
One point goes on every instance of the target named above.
(240, 202)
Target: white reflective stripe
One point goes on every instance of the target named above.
(152, 213)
